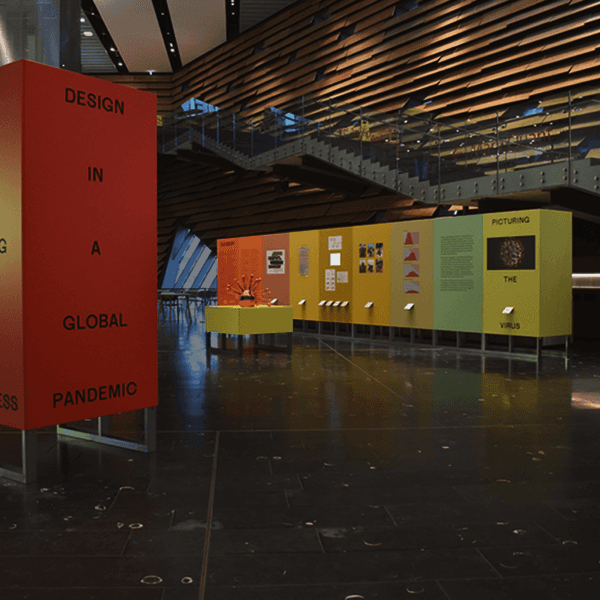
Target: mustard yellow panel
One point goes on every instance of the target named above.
(336, 251)
(372, 274)
(304, 274)
(249, 320)
(412, 272)
(512, 272)
(556, 295)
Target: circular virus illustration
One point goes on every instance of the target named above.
(512, 252)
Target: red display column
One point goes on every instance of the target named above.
(78, 325)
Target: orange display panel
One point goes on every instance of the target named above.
(276, 272)
(239, 259)
(81, 247)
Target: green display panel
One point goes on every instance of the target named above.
(458, 274)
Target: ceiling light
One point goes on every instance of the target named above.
(82, 20)
(113, 50)
(120, 64)
(88, 33)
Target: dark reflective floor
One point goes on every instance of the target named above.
(348, 470)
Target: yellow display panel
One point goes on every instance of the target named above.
(371, 287)
(412, 272)
(304, 274)
(556, 295)
(243, 320)
(513, 268)
(336, 252)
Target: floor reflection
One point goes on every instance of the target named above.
(348, 469)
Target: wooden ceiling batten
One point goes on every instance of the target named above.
(454, 58)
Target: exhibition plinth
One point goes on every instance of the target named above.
(248, 320)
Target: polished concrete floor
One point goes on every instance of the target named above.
(348, 470)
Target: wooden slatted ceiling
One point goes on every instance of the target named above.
(441, 34)
(460, 57)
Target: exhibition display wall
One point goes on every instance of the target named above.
(502, 273)
(78, 324)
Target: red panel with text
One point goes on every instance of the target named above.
(89, 259)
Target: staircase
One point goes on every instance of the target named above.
(521, 151)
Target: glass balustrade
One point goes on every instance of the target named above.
(409, 146)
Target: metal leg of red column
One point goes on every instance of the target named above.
(28, 471)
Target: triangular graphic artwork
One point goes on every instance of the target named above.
(408, 240)
(411, 256)
(411, 287)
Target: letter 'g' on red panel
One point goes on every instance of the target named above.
(81, 246)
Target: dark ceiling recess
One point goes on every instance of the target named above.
(161, 8)
(232, 19)
(96, 21)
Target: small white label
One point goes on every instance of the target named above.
(508, 310)
(345, 303)
(329, 303)
(301, 302)
(337, 303)
(322, 303)
(409, 306)
(369, 305)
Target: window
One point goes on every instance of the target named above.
(406, 6)
(320, 74)
(198, 107)
(346, 33)
(321, 16)
(192, 265)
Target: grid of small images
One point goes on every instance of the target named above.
(410, 256)
(370, 257)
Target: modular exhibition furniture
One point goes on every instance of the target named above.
(244, 320)
(502, 273)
